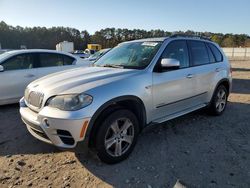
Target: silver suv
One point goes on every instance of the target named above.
(136, 84)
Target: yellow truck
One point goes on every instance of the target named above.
(95, 47)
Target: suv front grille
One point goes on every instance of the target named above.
(34, 98)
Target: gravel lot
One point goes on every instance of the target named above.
(197, 149)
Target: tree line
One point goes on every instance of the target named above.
(47, 38)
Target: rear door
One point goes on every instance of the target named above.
(53, 62)
(204, 66)
(19, 71)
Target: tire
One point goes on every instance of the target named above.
(219, 101)
(117, 136)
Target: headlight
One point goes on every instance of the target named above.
(70, 102)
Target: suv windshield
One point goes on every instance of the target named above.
(132, 55)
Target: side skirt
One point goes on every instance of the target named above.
(178, 114)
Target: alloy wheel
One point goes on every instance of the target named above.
(221, 100)
(119, 137)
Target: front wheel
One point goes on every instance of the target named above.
(117, 136)
(219, 101)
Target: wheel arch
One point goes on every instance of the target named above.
(225, 82)
(130, 102)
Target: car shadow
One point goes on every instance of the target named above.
(243, 86)
(240, 69)
(198, 149)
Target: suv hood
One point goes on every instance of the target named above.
(79, 80)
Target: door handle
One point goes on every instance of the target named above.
(190, 76)
(217, 70)
(29, 75)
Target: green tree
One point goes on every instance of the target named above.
(217, 38)
(42, 37)
(228, 41)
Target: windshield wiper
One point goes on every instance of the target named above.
(113, 66)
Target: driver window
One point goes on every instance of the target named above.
(22, 61)
(177, 50)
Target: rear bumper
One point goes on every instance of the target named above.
(62, 132)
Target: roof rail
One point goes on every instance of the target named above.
(190, 36)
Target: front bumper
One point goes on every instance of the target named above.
(54, 126)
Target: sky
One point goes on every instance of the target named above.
(219, 16)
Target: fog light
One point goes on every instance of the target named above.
(46, 122)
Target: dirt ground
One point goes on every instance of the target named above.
(197, 149)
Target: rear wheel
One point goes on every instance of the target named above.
(117, 136)
(219, 101)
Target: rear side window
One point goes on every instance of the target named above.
(198, 52)
(22, 61)
(216, 52)
(68, 60)
(177, 50)
(50, 60)
(211, 55)
(55, 60)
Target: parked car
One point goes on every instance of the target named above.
(80, 53)
(90, 51)
(97, 55)
(136, 84)
(84, 54)
(20, 67)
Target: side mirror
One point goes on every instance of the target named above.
(1, 68)
(168, 63)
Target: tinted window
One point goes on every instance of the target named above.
(50, 60)
(68, 60)
(198, 52)
(216, 52)
(177, 50)
(22, 61)
(211, 56)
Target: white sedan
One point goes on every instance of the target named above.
(20, 67)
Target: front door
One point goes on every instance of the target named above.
(173, 90)
(19, 71)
